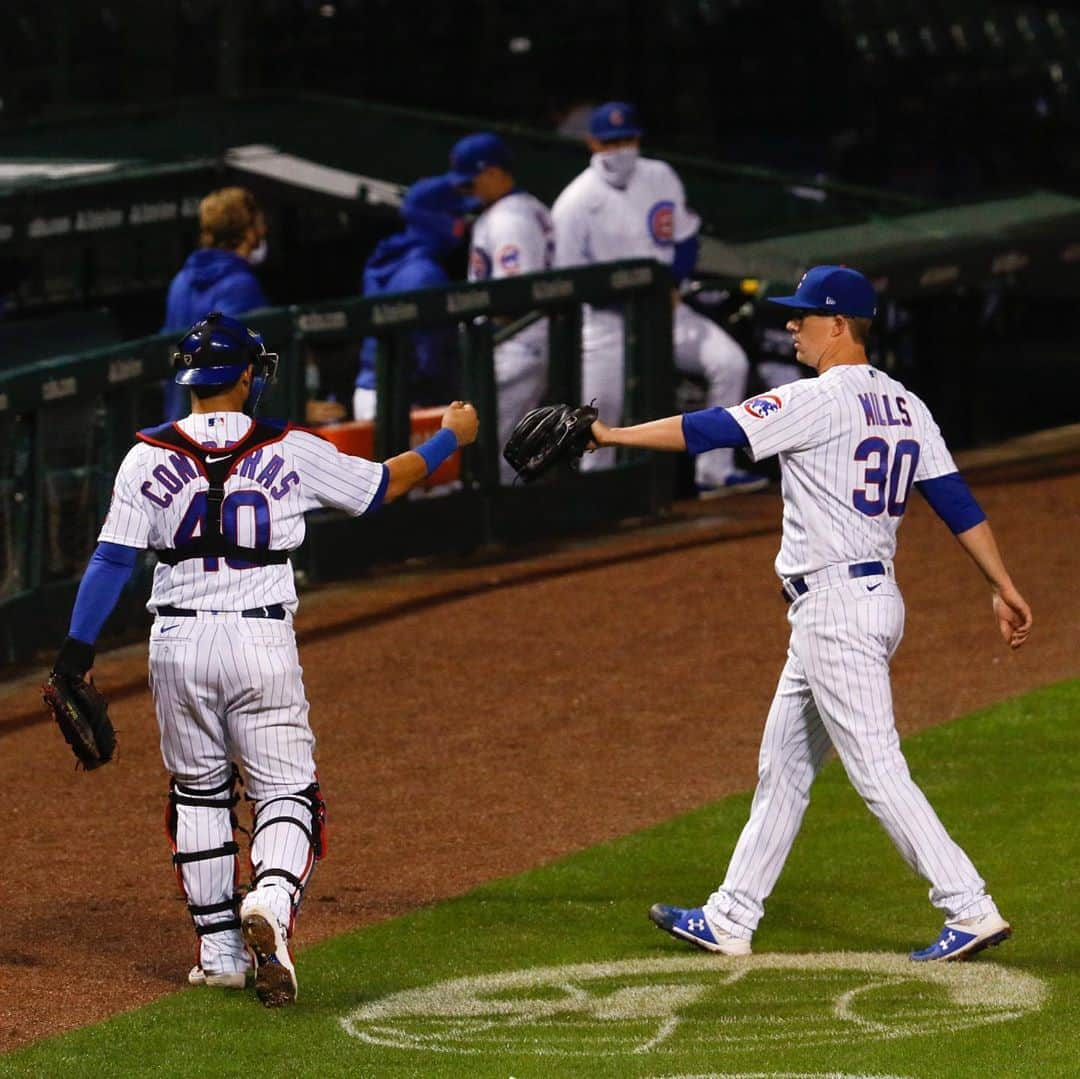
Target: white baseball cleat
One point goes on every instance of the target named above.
(230, 979)
(275, 974)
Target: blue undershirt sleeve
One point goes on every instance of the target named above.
(951, 499)
(109, 569)
(710, 429)
(685, 260)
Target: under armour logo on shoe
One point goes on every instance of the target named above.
(944, 943)
(695, 924)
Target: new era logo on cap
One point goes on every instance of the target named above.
(839, 288)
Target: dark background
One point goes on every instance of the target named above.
(947, 100)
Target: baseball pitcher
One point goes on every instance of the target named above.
(852, 443)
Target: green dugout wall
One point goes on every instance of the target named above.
(66, 423)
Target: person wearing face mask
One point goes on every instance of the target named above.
(219, 274)
(625, 206)
(434, 215)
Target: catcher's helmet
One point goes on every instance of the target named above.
(217, 351)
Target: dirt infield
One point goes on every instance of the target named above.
(459, 740)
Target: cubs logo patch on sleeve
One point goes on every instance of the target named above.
(661, 222)
(763, 405)
(509, 257)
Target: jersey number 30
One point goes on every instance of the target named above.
(886, 483)
(194, 521)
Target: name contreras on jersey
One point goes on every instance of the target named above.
(180, 471)
(879, 410)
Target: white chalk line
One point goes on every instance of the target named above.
(463, 1016)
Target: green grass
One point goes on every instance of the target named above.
(1004, 783)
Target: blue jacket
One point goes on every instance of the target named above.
(402, 262)
(211, 279)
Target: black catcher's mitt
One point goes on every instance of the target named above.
(80, 711)
(547, 437)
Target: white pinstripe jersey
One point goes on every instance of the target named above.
(851, 443)
(595, 222)
(513, 236)
(159, 501)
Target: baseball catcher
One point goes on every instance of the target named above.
(548, 437)
(80, 711)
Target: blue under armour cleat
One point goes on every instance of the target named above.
(965, 938)
(690, 924)
(734, 483)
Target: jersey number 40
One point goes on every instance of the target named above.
(194, 522)
(886, 483)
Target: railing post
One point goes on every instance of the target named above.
(564, 354)
(393, 426)
(481, 461)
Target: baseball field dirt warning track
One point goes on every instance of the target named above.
(478, 721)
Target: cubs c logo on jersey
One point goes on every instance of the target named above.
(509, 258)
(661, 222)
(479, 264)
(765, 405)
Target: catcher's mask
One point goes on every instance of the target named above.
(217, 351)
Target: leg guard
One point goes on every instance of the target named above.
(288, 838)
(200, 824)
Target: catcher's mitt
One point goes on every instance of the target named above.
(547, 437)
(80, 711)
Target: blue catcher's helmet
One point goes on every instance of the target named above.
(218, 350)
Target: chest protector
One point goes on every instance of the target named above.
(216, 464)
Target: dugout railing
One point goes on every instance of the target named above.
(66, 423)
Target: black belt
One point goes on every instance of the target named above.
(275, 610)
(856, 569)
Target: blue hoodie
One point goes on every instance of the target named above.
(402, 262)
(212, 279)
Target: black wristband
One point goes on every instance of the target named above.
(74, 658)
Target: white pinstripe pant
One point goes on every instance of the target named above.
(230, 687)
(835, 689)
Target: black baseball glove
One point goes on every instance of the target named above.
(548, 437)
(80, 711)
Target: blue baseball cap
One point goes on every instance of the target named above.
(614, 120)
(833, 290)
(474, 153)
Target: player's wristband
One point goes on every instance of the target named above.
(437, 448)
(75, 657)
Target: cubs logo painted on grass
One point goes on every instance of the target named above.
(509, 258)
(690, 1004)
(479, 264)
(661, 220)
(765, 405)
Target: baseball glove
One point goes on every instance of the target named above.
(80, 711)
(548, 437)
